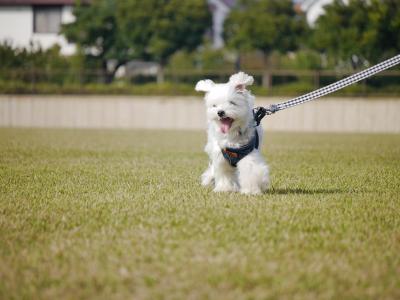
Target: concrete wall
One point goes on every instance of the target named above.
(16, 26)
(327, 114)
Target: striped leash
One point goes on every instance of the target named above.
(261, 112)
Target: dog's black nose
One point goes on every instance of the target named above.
(221, 113)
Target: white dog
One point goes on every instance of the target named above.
(234, 139)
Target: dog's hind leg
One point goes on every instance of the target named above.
(207, 178)
(253, 174)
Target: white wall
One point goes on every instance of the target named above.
(16, 26)
(323, 115)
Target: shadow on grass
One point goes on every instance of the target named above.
(300, 191)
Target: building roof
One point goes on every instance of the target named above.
(37, 2)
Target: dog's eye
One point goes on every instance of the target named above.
(231, 102)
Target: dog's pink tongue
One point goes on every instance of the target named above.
(226, 124)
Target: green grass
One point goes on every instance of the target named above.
(121, 214)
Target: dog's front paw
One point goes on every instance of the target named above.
(206, 181)
(226, 187)
(249, 191)
(207, 178)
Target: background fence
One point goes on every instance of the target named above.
(269, 83)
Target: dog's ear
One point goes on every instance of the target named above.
(240, 81)
(204, 85)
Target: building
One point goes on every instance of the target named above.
(312, 8)
(220, 10)
(23, 22)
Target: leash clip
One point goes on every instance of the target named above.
(260, 112)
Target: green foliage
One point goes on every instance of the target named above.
(32, 63)
(266, 25)
(301, 60)
(10, 57)
(295, 87)
(33, 57)
(182, 60)
(98, 36)
(368, 29)
(156, 29)
(204, 59)
(115, 88)
(215, 59)
(119, 31)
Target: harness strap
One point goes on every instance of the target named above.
(234, 155)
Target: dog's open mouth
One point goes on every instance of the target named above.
(226, 124)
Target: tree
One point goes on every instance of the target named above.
(96, 33)
(265, 25)
(148, 30)
(159, 28)
(367, 29)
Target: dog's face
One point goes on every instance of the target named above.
(229, 105)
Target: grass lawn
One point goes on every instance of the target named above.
(121, 214)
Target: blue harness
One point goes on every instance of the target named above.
(234, 155)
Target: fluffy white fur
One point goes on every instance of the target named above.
(251, 176)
